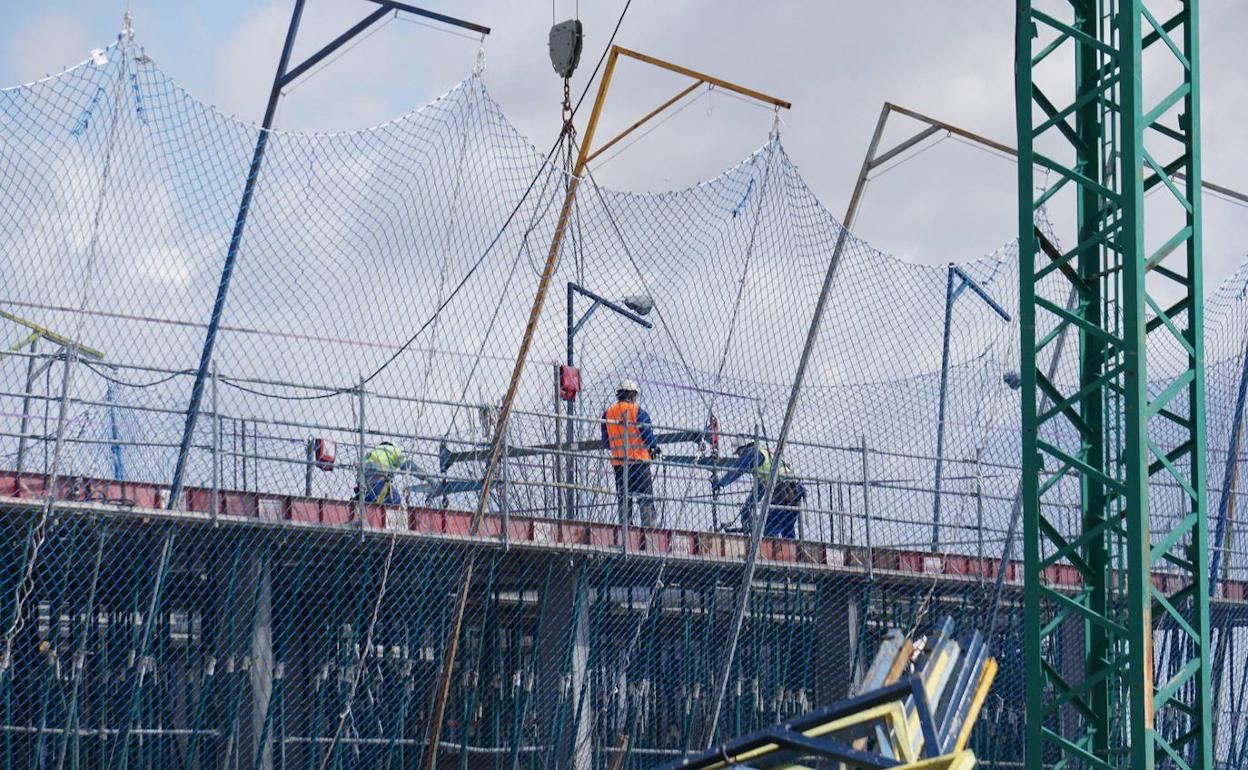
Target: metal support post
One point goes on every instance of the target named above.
(27, 392)
(952, 293)
(624, 501)
(574, 326)
(504, 502)
(309, 460)
(940, 412)
(231, 256)
(216, 447)
(812, 335)
(866, 510)
(979, 511)
(360, 449)
(261, 674)
(569, 462)
(557, 456)
(1230, 475)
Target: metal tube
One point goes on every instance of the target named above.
(243, 450)
(309, 458)
(505, 489)
(624, 496)
(569, 464)
(866, 511)
(557, 458)
(979, 511)
(940, 410)
(216, 445)
(26, 392)
(1230, 474)
(361, 511)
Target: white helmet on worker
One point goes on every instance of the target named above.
(627, 386)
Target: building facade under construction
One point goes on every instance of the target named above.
(223, 591)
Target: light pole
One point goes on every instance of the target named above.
(633, 308)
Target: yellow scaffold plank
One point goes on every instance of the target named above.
(981, 694)
(961, 760)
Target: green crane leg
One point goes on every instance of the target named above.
(1117, 431)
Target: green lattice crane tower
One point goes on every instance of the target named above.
(1118, 671)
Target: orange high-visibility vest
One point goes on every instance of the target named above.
(623, 434)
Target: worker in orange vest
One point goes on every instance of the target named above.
(628, 435)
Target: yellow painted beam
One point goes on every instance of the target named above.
(962, 760)
(981, 694)
(717, 82)
(52, 336)
(644, 119)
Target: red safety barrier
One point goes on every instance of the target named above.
(544, 531)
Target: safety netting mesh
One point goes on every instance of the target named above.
(382, 286)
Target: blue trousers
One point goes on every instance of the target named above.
(786, 506)
(380, 489)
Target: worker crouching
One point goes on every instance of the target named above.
(628, 435)
(786, 499)
(380, 467)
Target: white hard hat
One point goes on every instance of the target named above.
(627, 385)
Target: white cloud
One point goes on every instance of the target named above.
(48, 42)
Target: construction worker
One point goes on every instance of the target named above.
(628, 436)
(380, 466)
(786, 500)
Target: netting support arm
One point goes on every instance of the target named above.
(284, 77)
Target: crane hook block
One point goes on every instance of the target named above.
(566, 39)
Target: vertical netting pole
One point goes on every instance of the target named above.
(27, 391)
(360, 478)
(940, 411)
(866, 510)
(216, 447)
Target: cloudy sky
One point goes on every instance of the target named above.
(836, 60)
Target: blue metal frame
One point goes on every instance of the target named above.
(283, 78)
(951, 295)
(1228, 476)
(572, 329)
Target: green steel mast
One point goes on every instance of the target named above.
(1125, 280)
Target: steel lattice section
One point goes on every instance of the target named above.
(1138, 694)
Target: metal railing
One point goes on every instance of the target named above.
(258, 432)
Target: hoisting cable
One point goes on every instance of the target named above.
(538, 214)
